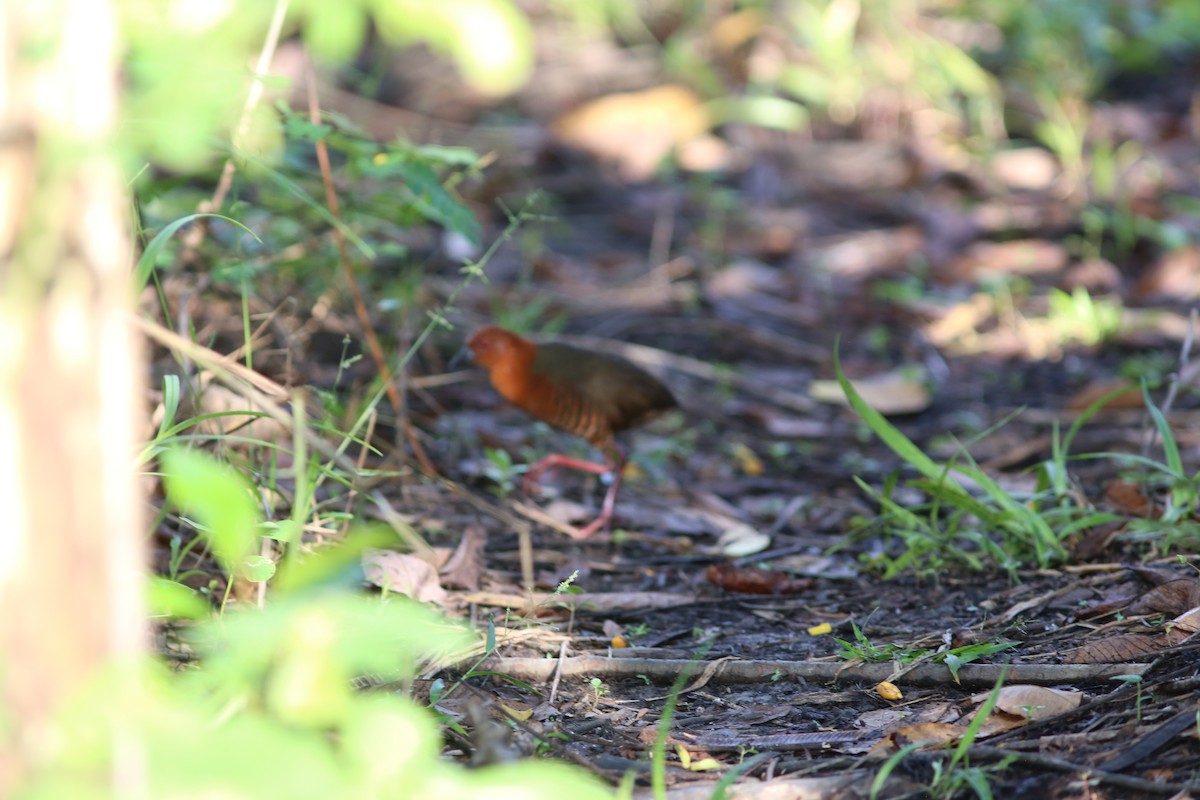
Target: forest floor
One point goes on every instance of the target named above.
(753, 594)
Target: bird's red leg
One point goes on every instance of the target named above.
(615, 463)
(610, 501)
(533, 477)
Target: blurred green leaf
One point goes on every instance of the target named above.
(333, 567)
(334, 31)
(298, 127)
(491, 41)
(370, 734)
(218, 498)
(358, 635)
(257, 569)
(166, 598)
(429, 197)
(149, 257)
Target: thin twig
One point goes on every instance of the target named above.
(562, 655)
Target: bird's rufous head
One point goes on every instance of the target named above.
(493, 345)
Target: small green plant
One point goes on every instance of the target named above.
(500, 468)
(1077, 317)
(972, 527)
(599, 689)
(1177, 526)
(863, 649)
(1151, 367)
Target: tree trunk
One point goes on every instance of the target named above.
(71, 383)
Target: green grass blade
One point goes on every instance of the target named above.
(1169, 445)
(145, 265)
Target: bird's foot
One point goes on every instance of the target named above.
(600, 523)
(603, 521)
(532, 482)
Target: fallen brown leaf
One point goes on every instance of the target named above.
(403, 574)
(752, 580)
(465, 567)
(1172, 598)
(1115, 649)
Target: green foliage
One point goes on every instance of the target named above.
(184, 76)
(490, 41)
(857, 50)
(219, 500)
(530, 316)
(416, 169)
(955, 525)
(1079, 318)
(500, 468)
(1052, 57)
(992, 526)
(863, 649)
(272, 713)
(1177, 526)
(399, 186)
(658, 751)
(1072, 48)
(272, 709)
(184, 63)
(150, 254)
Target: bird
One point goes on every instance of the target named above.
(592, 395)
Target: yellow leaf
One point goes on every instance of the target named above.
(820, 630)
(685, 758)
(748, 461)
(888, 691)
(518, 713)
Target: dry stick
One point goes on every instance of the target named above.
(540, 669)
(195, 236)
(360, 307)
(562, 655)
(710, 670)
(539, 516)
(593, 601)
